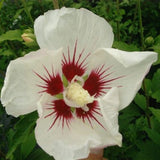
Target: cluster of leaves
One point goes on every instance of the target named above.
(139, 123)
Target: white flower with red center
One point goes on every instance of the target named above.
(76, 81)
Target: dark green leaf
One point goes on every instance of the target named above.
(28, 145)
(156, 81)
(155, 112)
(155, 123)
(148, 86)
(127, 115)
(156, 95)
(157, 40)
(23, 128)
(156, 85)
(148, 151)
(39, 154)
(140, 101)
(154, 135)
(156, 48)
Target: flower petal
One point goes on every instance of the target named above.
(127, 70)
(76, 140)
(21, 90)
(63, 27)
(74, 64)
(110, 107)
(99, 80)
(72, 143)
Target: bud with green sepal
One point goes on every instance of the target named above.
(149, 41)
(29, 38)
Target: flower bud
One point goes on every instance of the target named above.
(149, 41)
(29, 38)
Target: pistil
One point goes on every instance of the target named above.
(79, 96)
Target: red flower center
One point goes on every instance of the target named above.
(97, 84)
(61, 112)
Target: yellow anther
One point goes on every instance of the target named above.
(78, 95)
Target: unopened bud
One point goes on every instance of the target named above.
(29, 38)
(149, 41)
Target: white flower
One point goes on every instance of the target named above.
(77, 82)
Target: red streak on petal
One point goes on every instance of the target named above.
(90, 115)
(52, 83)
(98, 81)
(72, 66)
(61, 112)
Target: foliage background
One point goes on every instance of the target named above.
(136, 27)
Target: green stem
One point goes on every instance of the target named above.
(55, 4)
(140, 24)
(147, 105)
(143, 47)
(41, 6)
(27, 11)
(135, 13)
(118, 25)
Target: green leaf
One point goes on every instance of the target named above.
(153, 135)
(77, 5)
(148, 151)
(128, 115)
(155, 112)
(7, 52)
(141, 123)
(156, 95)
(156, 86)
(156, 48)
(23, 128)
(157, 40)
(39, 155)
(1, 4)
(148, 85)
(156, 81)
(140, 101)
(18, 13)
(28, 145)
(122, 12)
(124, 46)
(155, 123)
(11, 35)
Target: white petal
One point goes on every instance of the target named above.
(42, 102)
(131, 67)
(72, 143)
(20, 92)
(109, 105)
(76, 141)
(63, 27)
